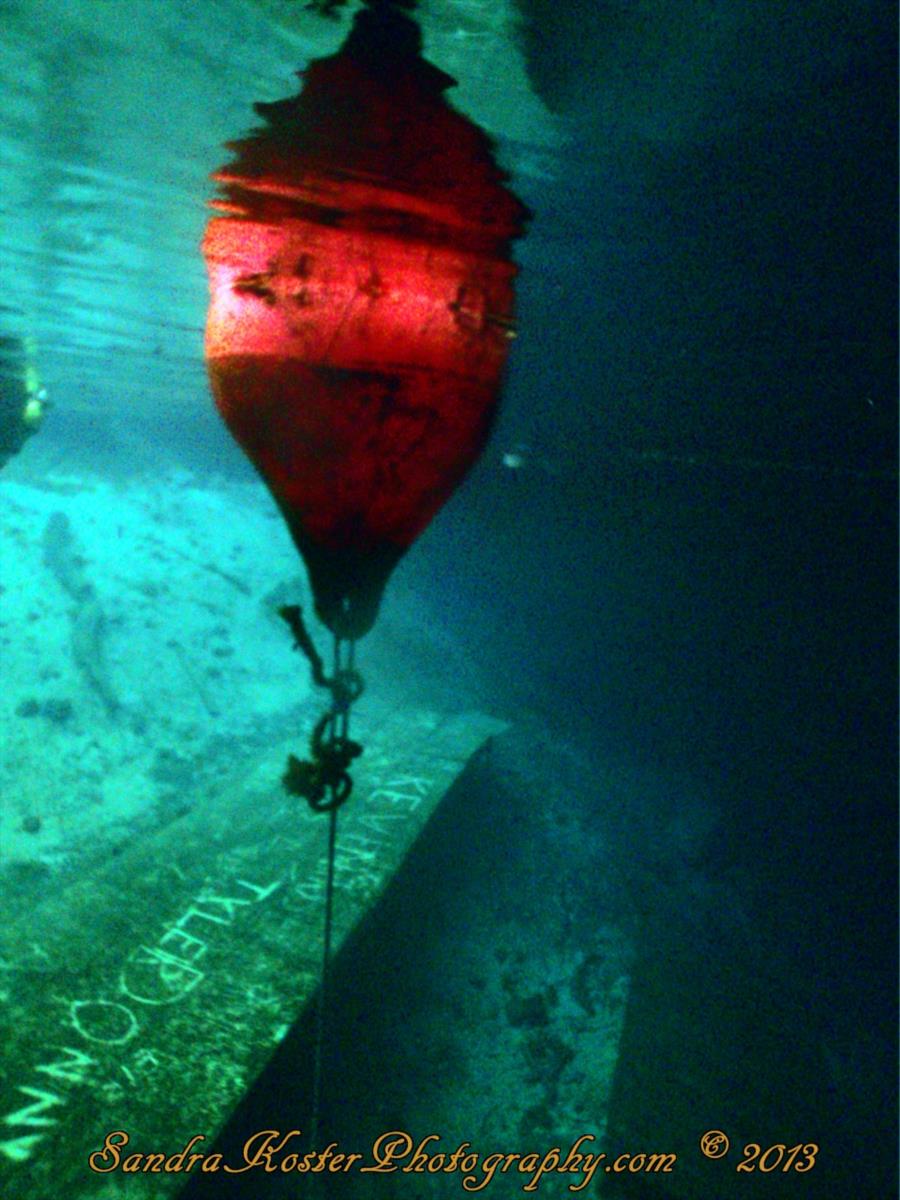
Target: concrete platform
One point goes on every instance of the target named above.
(147, 997)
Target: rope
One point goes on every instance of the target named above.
(323, 986)
(324, 781)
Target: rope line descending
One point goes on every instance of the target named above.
(324, 782)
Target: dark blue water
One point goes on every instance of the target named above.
(700, 565)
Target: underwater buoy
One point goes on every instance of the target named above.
(361, 305)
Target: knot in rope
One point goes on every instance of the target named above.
(324, 781)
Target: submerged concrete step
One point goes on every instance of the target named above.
(148, 997)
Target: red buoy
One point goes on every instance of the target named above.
(361, 306)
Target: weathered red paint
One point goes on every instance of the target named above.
(361, 306)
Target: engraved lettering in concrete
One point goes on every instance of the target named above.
(18, 1149)
(73, 1069)
(151, 976)
(104, 1022)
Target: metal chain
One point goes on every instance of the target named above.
(324, 779)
